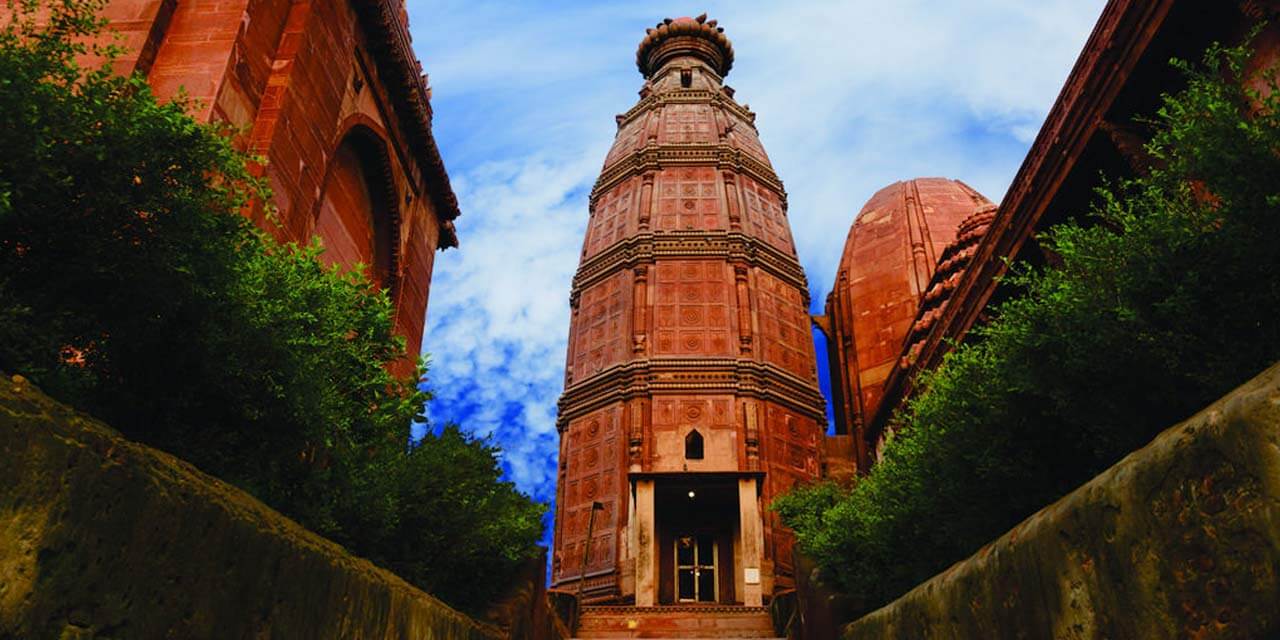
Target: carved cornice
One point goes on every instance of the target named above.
(645, 247)
(390, 45)
(669, 608)
(654, 157)
(688, 96)
(704, 375)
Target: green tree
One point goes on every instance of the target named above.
(1164, 300)
(466, 523)
(131, 288)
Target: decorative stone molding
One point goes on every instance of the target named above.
(391, 47)
(653, 157)
(653, 376)
(723, 100)
(649, 246)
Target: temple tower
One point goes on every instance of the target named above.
(691, 395)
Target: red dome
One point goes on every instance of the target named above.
(892, 252)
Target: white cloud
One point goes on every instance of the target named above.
(851, 96)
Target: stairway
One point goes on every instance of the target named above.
(675, 622)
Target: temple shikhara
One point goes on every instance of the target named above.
(691, 395)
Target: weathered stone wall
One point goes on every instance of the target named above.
(1181, 539)
(104, 538)
(525, 612)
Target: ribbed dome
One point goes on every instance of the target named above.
(891, 254)
(674, 37)
(951, 266)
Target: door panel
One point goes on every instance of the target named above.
(696, 568)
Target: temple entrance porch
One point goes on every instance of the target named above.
(696, 539)
(697, 524)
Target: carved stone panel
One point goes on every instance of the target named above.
(791, 457)
(764, 215)
(601, 335)
(592, 475)
(614, 217)
(784, 326)
(692, 314)
(744, 137)
(688, 198)
(630, 138)
(675, 416)
(688, 123)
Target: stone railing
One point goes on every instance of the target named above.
(1180, 539)
(105, 538)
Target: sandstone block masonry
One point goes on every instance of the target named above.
(105, 538)
(1180, 539)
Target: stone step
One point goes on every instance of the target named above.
(723, 622)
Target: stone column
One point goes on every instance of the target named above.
(646, 546)
(752, 542)
(628, 581)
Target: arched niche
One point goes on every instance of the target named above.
(358, 216)
(693, 446)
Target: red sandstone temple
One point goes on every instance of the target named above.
(691, 394)
(330, 93)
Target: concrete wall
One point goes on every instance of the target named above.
(1181, 539)
(104, 538)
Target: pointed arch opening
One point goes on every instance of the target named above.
(358, 219)
(693, 446)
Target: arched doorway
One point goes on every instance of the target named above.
(358, 219)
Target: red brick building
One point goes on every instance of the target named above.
(691, 394)
(331, 95)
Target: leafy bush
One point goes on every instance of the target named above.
(1164, 299)
(131, 288)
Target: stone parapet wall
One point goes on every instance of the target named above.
(1180, 539)
(105, 538)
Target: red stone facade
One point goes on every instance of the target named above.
(892, 252)
(329, 93)
(691, 393)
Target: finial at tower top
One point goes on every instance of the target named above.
(685, 37)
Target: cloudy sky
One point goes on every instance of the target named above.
(850, 96)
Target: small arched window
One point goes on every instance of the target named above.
(693, 445)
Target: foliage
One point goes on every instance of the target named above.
(498, 522)
(1164, 299)
(131, 287)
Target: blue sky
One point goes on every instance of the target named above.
(850, 97)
